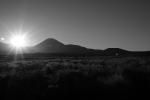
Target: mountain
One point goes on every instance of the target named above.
(53, 46)
(115, 52)
(49, 45)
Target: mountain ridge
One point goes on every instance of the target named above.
(53, 46)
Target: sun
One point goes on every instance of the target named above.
(18, 41)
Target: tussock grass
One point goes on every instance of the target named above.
(40, 78)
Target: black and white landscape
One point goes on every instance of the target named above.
(74, 49)
(52, 69)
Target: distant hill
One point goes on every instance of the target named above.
(49, 45)
(4, 48)
(115, 51)
(53, 46)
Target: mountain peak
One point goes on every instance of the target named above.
(52, 40)
(50, 43)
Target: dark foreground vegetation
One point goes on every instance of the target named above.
(75, 78)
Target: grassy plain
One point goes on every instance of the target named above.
(75, 77)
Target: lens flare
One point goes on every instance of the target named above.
(18, 41)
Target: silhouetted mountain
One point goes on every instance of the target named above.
(115, 52)
(53, 46)
(49, 45)
(75, 48)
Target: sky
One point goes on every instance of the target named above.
(97, 24)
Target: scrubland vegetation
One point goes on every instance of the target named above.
(64, 77)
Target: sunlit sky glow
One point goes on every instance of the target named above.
(97, 24)
(18, 41)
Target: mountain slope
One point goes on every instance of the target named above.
(115, 52)
(49, 46)
(50, 43)
(53, 46)
(4, 48)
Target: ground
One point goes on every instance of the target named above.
(74, 77)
